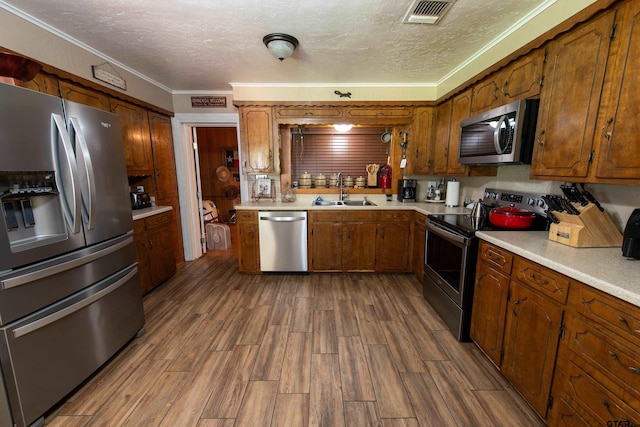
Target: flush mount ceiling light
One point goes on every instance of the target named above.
(342, 127)
(280, 45)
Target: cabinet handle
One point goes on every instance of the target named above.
(541, 282)
(606, 134)
(619, 421)
(631, 368)
(623, 321)
(496, 258)
(515, 303)
(541, 139)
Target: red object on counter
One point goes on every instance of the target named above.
(385, 176)
(511, 217)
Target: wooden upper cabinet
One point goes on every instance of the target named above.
(486, 94)
(84, 96)
(569, 100)
(460, 109)
(44, 83)
(258, 135)
(619, 153)
(163, 156)
(136, 138)
(441, 142)
(523, 78)
(421, 142)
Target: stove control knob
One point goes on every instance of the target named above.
(540, 203)
(531, 201)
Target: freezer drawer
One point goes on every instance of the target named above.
(32, 288)
(49, 353)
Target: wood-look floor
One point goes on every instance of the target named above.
(224, 349)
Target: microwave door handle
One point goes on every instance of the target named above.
(496, 135)
(86, 176)
(71, 210)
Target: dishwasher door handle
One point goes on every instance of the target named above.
(282, 218)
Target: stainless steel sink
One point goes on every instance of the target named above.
(363, 202)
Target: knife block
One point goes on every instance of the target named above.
(592, 228)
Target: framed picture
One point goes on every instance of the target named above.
(264, 187)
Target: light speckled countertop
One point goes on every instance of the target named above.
(602, 268)
(143, 213)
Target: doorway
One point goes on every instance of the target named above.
(185, 134)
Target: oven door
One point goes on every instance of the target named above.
(449, 262)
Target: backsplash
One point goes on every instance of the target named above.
(618, 200)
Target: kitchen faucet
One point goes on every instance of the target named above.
(340, 184)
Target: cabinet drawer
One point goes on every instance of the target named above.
(542, 279)
(360, 216)
(610, 312)
(314, 112)
(157, 220)
(329, 216)
(595, 399)
(386, 216)
(379, 112)
(611, 356)
(496, 257)
(246, 216)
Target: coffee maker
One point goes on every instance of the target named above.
(407, 190)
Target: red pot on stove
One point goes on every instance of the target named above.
(511, 217)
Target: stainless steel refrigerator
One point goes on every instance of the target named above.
(69, 288)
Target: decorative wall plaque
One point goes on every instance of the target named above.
(108, 74)
(209, 101)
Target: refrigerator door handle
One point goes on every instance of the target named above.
(59, 132)
(41, 323)
(87, 181)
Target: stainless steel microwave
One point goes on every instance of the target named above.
(504, 135)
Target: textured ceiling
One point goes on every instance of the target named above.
(208, 44)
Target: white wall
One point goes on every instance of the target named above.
(618, 200)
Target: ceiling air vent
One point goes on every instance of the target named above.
(427, 12)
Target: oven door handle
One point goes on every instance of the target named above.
(447, 234)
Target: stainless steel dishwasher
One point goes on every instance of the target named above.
(283, 241)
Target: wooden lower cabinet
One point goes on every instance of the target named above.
(393, 247)
(419, 235)
(248, 241)
(154, 249)
(342, 241)
(572, 351)
(531, 337)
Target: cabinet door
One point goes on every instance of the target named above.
(393, 247)
(142, 256)
(359, 247)
(523, 78)
(619, 154)
(248, 247)
(161, 257)
(419, 234)
(163, 156)
(421, 142)
(486, 94)
(257, 131)
(135, 137)
(84, 96)
(569, 100)
(530, 345)
(441, 143)
(460, 109)
(489, 311)
(44, 83)
(326, 246)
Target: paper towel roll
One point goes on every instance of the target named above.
(453, 193)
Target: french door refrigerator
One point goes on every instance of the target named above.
(69, 288)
